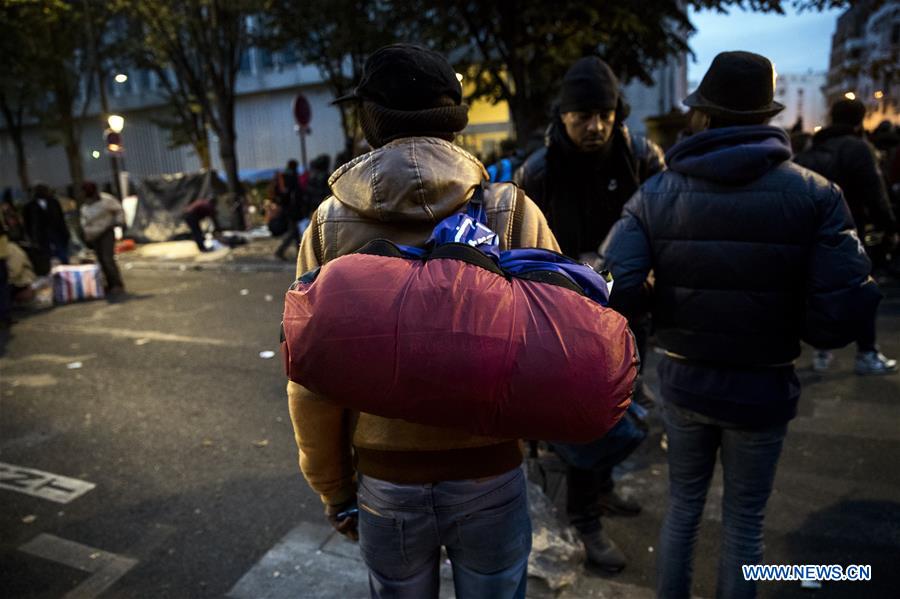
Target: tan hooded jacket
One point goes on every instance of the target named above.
(400, 192)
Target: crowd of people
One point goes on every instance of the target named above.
(41, 234)
(725, 249)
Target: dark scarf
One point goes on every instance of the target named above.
(584, 191)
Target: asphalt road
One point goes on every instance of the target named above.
(183, 429)
(175, 418)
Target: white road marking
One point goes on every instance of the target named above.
(126, 334)
(45, 485)
(106, 567)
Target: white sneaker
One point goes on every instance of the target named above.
(874, 362)
(822, 360)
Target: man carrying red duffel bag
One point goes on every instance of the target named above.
(419, 486)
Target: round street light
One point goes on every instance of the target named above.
(95, 155)
(850, 96)
(879, 95)
(116, 122)
(121, 78)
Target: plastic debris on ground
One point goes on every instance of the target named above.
(269, 298)
(245, 292)
(30, 518)
(261, 443)
(141, 341)
(74, 365)
(557, 556)
(266, 355)
(810, 584)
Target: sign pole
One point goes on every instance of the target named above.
(303, 148)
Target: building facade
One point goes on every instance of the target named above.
(802, 97)
(267, 137)
(865, 59)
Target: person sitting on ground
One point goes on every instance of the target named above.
(101, 213)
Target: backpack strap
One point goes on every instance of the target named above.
(475, 207)
(518, 216)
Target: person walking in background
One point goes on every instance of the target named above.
(416, 487)
(101, 213)
(290, 192)
(45, 227)
(589, 167)
(841, 154)
(750, 253)
(317, 188)
(194, 214)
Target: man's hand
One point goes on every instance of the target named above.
(344, 518)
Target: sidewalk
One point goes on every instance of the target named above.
(258, 255)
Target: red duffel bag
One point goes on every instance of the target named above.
(455, 343)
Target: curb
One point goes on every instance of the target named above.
(210, 266)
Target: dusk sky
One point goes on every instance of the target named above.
(794, 42)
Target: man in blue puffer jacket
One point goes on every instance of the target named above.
(750, 253)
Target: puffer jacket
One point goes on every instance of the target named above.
(750, 253)
(400, 192)
(840, 155)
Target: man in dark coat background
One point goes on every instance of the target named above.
(841, 154)
(45, 226)
(750, 254)
(588, 168)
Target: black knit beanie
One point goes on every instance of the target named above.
(381, 125)
(848, 112)
(407, 90)
(589, 85)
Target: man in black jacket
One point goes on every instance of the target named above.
(589, 167)
(45, 226)
(750, 254)
(841, 154)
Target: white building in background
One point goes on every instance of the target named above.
(670, 87)
(266, 136)
(802, 97)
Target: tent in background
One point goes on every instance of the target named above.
(162, 199)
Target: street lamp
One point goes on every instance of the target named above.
(879, 95)
(850, 96)
(116, 122)
(121, 78)
(114, 146)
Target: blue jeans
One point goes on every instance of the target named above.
(749, 458)
(483, 524)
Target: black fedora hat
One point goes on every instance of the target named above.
(737, 85)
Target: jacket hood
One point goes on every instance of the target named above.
(835, 132)
(731, 155)
(409, 179)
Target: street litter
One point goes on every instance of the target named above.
(810, 584)
(29, 519)
(265, 355)
(141, 341)
(261, 443)
(245, 292)
(73, 365)
(268, 298)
